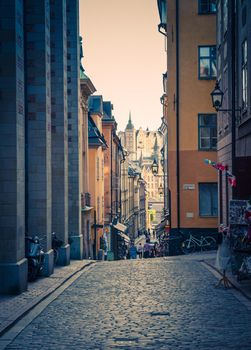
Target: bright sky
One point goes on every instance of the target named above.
(124, 55)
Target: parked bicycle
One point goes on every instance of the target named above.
(192, 243)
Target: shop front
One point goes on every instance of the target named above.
(119, 240)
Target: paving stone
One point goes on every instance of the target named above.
(151, 304)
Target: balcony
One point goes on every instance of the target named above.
(85, 201)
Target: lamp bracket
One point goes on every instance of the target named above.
(228, 110)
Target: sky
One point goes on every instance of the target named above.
(124, 55)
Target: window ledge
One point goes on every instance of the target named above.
(206, 13)
(207, 149)
(209, 78)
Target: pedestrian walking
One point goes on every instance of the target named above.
(133, 252)
(140, 251)
(223, 257)
(146, 250)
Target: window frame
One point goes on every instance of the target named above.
(200, 184)
(210, 57)
(209, 11)
(244, 70)
(97, 165)
(211, 148)
(225, 16)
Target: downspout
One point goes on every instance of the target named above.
(177, 118)
(111, 176)
(233, 124)
(95, 236)
(120, 188)
(26, 129)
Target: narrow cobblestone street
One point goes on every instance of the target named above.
(141, 304)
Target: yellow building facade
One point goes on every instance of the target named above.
(97, 146)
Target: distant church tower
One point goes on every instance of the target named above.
(130, 139)
(156, 149)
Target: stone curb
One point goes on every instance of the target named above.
(6, 325)
(232, 281)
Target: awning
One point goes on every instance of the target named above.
(120, 227)
(124, 236)
(161, 227)
(87, 208)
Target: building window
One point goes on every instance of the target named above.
(207, 132)
(97, 168)
(98, 209)
(102, 169)
(219, 24)
(225, 15)
(244, 73)
(207, 6)
(208, 199)
(207, 62)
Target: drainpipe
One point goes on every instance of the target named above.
(111, 176)
(26, 129)
(177, 118)
(95, 236)
(233, 150)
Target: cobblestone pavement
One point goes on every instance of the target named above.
(148, 304)
(14, 306)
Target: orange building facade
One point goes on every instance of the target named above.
(191, 120)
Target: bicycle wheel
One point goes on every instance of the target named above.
(209, 243)
(187, 246)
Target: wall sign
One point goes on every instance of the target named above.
(189, 187)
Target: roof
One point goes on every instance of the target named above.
(95, 138)
(95, 104)
(107, 108)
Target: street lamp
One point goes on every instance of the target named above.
(155, 168)
(217, 96)
(162, 27)
(217, 99)
(162, 100)
(164, 80)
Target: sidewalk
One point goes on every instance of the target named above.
(244, 286)
(13, 307)
(209, 258)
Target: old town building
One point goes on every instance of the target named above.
(87, 88)
(234, 123)
(191, 119)
(145, 146)
(97, 146)
(40, 163)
